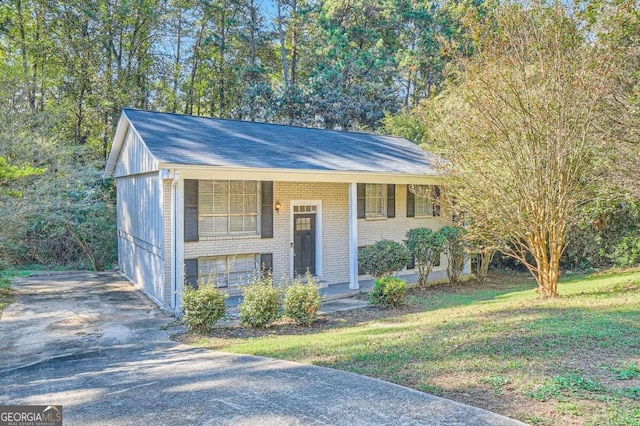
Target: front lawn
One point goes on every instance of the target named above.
(571, 360)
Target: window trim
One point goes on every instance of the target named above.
(228, 215)
(383, 209)
(433, 207)
(229, 259)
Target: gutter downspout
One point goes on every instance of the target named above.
(174, 240)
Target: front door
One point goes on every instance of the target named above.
(304, 243)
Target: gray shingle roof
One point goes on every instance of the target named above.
(185, 139)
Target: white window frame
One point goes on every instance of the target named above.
(382, 214)
(430, 203)
(228, 215)
(230, 260)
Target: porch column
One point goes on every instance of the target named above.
(177, 240)
(353, 236)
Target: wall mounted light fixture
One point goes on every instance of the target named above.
(278, 206)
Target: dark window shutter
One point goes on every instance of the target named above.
(436, 200)
(266, 215)
(391, 200)
(360, 270)
(190, 210)
(436, 262)
(412, 263)
(411, 203)
(266, 263)
(191, 272)
(362, 194)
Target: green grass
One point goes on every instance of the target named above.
(499, 347)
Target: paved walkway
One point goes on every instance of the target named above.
(96, 346)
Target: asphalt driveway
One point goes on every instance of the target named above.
(94, 344)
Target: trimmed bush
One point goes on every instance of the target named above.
(426, 245)
(388, 292)
(383, 258)
(202, 307)
(302, 301)
(261, 303)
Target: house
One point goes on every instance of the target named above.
(202, 197)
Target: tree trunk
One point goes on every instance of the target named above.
(253, 40)
(176, 66)
(25, 56)
(188, 109)
(484, 257)
(294, 41)
(221, 76)
(546, 251)
(283, 49)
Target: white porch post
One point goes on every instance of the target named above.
(179, 257)
(177, 240)
(353, 236)
(467, 265)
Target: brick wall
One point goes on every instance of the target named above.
(335, 238)
(370, 231)
(335, 230)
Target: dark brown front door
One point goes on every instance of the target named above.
(304, 243)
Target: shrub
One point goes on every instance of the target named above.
(302, 301)
(261, 302)
(388, 292)
(383, 258)
(454, 249)
(627, 252)
(202, 307)
(426, 245)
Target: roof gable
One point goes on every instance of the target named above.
(202, 141)
(135, 157)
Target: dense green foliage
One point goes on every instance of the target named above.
(426, 246)
(261, 302)
(203, 307)
(388, 292)
(383, 258)
(302, 301)
(68, 68)
(607, 235)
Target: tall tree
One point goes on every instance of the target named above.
(521, 127)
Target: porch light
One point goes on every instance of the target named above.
(278, 206)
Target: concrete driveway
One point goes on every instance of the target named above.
(95, 345)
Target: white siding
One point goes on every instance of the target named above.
(140, 232)
(135, 157)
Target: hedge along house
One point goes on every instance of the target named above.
(202, 197)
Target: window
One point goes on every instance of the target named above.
(228, 207)
(305, 209)
(412, 263)
(375, 200)
(227, 271)
(427, 200)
